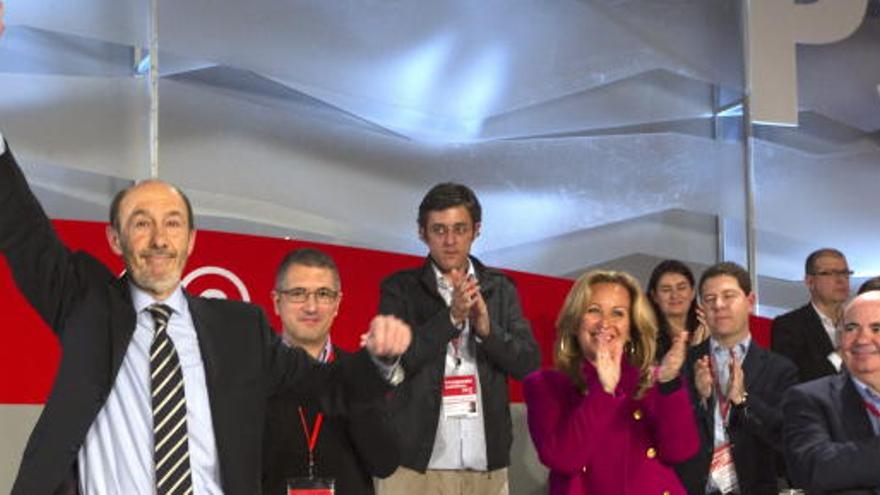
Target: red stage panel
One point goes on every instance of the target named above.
(241, 267)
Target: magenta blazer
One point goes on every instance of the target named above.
(597, 443)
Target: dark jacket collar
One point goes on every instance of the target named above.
(815, 330)
(852, 410)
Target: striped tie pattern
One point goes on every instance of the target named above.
(170, 450)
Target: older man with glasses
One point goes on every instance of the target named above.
(806, 335)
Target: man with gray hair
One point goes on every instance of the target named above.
(831, 441)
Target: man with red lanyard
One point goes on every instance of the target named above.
(832, 424)
(452, 411)
(737, 387)
(343, 443)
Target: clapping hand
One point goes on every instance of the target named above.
(703, 380)
(609, 353)
(674, 358)
(463, 288)
(701, 333)
(468, 302)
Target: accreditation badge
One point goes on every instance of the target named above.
(310, 486)
(460, 396)
(722, 470)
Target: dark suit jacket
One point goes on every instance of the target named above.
(830, 445)
(510, 350)
(755, 429)
(800, 336)
(90, 311)
(355, 442)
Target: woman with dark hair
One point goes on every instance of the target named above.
(608, 419)
(673, 297)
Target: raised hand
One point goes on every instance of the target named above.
(701, 333)
(479, 314)
(703, 380)
(462, 295)
(609, 354)
(674, 358)
(388, 337)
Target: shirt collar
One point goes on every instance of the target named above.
(865, 391)
(441, 280)
(326, 352)
(826, 320)
(323, 356)
(739, 349)
(141, 299)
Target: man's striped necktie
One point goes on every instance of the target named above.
(170, 449)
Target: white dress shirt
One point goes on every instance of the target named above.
(460, 443)
(117, 455)
(721, 370)
(831, 329)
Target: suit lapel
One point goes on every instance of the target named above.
(753, 365)
(852, 410)
(429, 279)
(203, 321)
(816, 332)
(122, 323)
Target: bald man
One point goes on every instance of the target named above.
(832, 424)
(158, 391)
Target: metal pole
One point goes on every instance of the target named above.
(748, 154)
(154, 89)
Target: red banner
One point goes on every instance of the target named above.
(240, 267)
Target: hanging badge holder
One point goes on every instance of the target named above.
(460, 396)
(722, 470)
(311, 485)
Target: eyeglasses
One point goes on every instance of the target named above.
(299, 295)
(458, 230)
(834, 273)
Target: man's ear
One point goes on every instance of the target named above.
(276, 302)
(192, 243)
(113, 240)
(338, 304)
(752, 300)
(422, 235)
(477, 229)
(809, 282)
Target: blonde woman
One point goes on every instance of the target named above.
(607, 420)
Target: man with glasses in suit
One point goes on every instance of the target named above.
(806, 335)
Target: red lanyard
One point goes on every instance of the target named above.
(312, 438)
